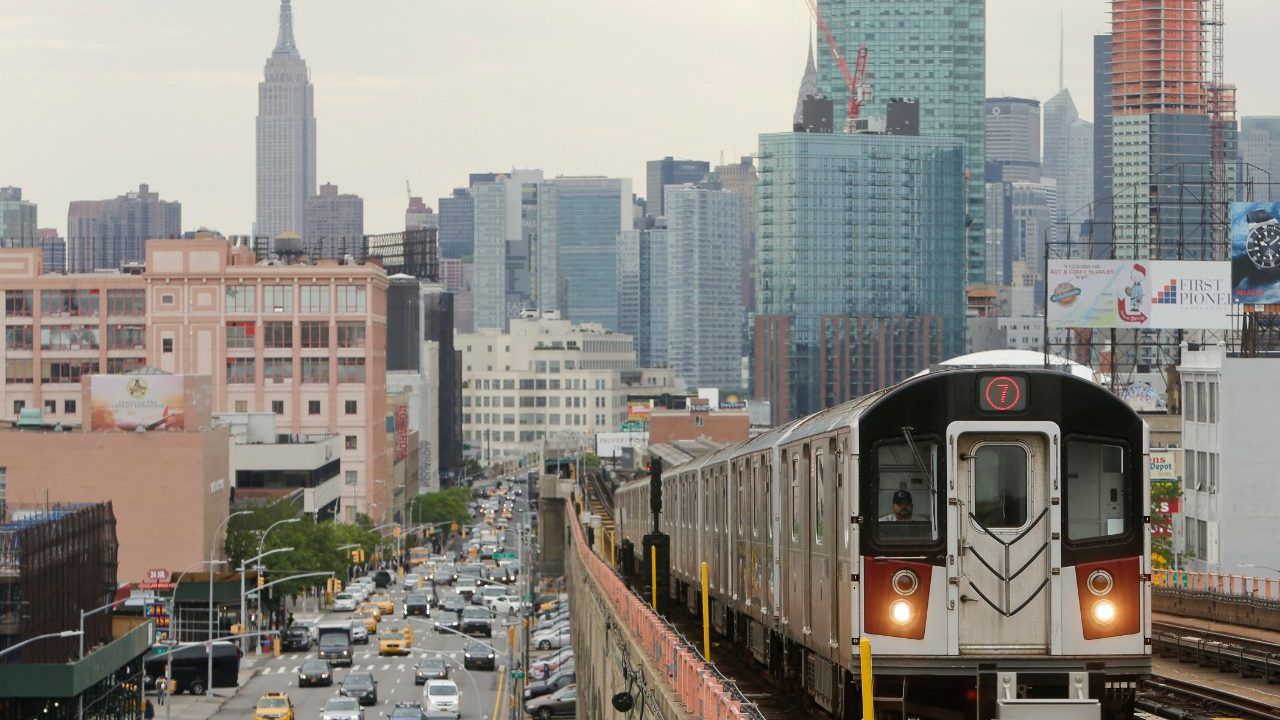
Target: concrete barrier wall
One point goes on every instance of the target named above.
(1246, 612)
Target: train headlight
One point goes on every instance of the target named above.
(900, 612)
(1104, 612)
(905, 582)
(1100, 582)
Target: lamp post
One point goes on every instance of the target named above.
(243, 563)
(262, 546)
(173, 617)
(208, 690)
(63, 634)
(1260, 567)
(83, 615)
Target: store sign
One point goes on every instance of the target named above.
(1152, 294)
(1165, 464)
(157, 574)
(402, 432)
(613, 445)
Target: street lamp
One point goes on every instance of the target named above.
(208, 690)
(262, 545)
(63, 634)
(83, 615)
(1260, 567)
(173, 616)
(242, 603)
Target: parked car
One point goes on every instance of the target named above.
(431, 668)
(561, 703)
(315, 672)
(551, 638)
(507, 605)
(188, 667)
(551, 625)
(362, 687)
(478, 656)
(342, 708)
(442, 695)
(540, 668)
(344, 602)
(295, 638)
(561, 678)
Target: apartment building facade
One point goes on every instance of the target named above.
(305, 342)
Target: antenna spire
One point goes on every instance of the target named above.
(284, 41)
(1062, 52)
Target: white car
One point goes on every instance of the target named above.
(359, 632)
(554, 638)
(411, 581)
(507, 605)
(442, 695)
(344, 602)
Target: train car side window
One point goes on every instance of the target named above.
(905, 492)
(1001, 477)
(820, 499)
(1098, 502)
(795, 499)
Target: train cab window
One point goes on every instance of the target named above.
(906, 492)
(1098, 500)
(1001, 476)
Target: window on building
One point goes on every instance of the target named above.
(166, 299)
(277, 334)
(1189, 472)
(120, 366)
(351, 442)
(241, 299)
(240, 370)
(277, 407)
(126, 337)
(313, 407)
(315, 299)
(699, 420)
(166, 345)
(1213, 472)
(69, 337)
(18, 303)
(277, 370)
(131, 303)
(350, 334)
(240, 335)
(1202, 414)
(69, 303)
(242, 406)
(351, 298)
(69, 407)
(315, 370)
(18, 405)
(315, 333)
(352, 477)
(351, 370)
(1213, 402)
(277, 298)
(1202, 540)
(17, 337)
(1189, 400)
(349, 406)
(51, 407)
(66, 371)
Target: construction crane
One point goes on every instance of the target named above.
(855, 81)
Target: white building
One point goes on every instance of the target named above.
(1230, 408)
(286, 137)
(546, 377)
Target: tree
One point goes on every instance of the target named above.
(449, 505)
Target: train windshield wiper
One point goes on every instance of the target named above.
(928, 477)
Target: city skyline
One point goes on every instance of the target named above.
(410, 99)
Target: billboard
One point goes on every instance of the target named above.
(1255, 252)
(1151, 294)
(611, 445)
(127, 402)
(1164, 464)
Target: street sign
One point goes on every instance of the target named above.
(528, 598)
(517, 674)
(504, 556)
(156, 575)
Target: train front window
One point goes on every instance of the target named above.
(1001, 475)
(906, 492)
(1098, 502)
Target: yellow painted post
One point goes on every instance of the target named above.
(868, 689)
(706, 617)
(653, 572)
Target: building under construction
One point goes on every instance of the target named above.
(412, 252)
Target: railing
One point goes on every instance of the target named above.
(1246, 586)
(696, 684)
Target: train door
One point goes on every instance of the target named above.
(822, 532)
(1003, 540)
(846, 610)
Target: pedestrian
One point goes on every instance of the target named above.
(290, 623)
(149, 712)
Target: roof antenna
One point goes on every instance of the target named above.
(1061, 49)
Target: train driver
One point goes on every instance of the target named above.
(902, 508)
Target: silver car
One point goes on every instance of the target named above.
(359, 632)
(342, 708)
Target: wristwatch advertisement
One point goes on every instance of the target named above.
(1255, 253)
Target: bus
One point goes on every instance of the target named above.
(419, 555)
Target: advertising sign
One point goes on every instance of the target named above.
(157, 611)
(1165, 464)
(127, 402)
(638, 412)
(1255, 253)
(1166, 503)
(611, 445)
(1152, 294)
(402, 432)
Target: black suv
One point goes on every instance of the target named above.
(295, 639)
(361, 686)
(417, 605)
(476, 621)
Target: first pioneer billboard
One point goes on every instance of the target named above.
(1152, 294)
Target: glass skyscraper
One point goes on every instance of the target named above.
(579, 219)
(860, 260)
(930, 50)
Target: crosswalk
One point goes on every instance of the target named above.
(367, 661)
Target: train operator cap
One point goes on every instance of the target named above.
(902, 497)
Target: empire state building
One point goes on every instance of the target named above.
(286, 137)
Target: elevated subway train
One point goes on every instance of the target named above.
(972, 523)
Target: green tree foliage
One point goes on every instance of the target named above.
(449, 505)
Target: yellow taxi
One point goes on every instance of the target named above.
(395, 642)
(384, 602)
(371, 615)
(274, 706)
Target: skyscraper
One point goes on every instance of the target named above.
(1068, 158)
(457, 224)
(54, 248)
(17, 218)
(286, 146)
(579, 219)
(1101, 227)
(866, 286)
(105, 234)
(335, 223)
(669, 171)
(704, 252)
(1260, 158)
(741, 178)
(930, 50)
(418, 216)
(506, 232)
(1012, 134)
(808, 87)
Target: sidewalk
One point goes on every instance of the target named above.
(189, 707)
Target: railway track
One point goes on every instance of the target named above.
(1180, 700)
(1249, 657)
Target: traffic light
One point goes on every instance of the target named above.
(357, 556)
(262, 580)
(453, 527)
(395, 531)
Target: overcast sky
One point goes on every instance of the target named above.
(100, 96)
